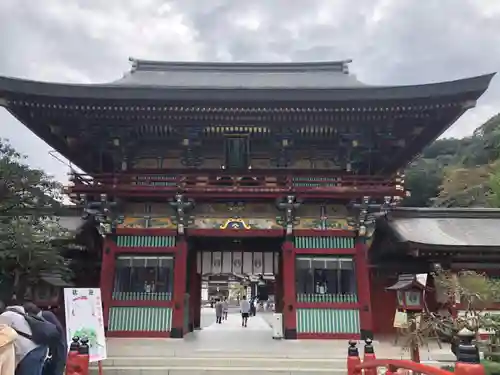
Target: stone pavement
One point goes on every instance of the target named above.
(233, 325)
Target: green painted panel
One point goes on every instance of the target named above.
(141, 296)
(154, 319)
(332, 298)
(328, 321)
(146, 241)
(324, 242)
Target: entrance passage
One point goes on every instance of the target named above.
(228, 270)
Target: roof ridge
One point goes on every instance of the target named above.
(340, 66)
(441, 212)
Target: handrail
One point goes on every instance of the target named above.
(281, 172)
(226, 179)
(402, 364)
(225, 173)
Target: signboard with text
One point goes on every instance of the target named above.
(84, 318)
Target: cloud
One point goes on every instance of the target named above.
(391, 42)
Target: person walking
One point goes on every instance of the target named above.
(253, 306)
(245, 311)
(218, 312)
(225, 309)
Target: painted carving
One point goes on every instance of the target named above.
(235, 223)
(147, 222)
(324, 217)
(237, 214)
(219, 223)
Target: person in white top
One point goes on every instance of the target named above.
(245, 311)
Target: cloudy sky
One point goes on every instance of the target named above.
(390, 41)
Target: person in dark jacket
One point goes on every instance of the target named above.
(58, 352)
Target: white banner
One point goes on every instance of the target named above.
(84, 318)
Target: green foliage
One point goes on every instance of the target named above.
(474, 290)
(458, 172)
(28, 226)
(490, 367)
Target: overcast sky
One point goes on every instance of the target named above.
(390, 41)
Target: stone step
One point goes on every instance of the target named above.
(220, 361)
(191, 370)
(209, 365)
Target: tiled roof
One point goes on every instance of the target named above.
(447, 227)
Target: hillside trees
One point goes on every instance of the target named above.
(458, 172)
(28, 225)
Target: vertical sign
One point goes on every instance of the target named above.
(237, 263)
(216, 262)
(84, 318)
(258, 266)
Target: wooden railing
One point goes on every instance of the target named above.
(468, 361)
(224, 182)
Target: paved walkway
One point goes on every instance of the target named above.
(233, 325)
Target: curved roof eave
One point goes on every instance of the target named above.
(474, 85)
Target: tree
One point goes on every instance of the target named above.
(458, 172)
(465, 187)
(423, 181)
(29, 202)
(475, 291)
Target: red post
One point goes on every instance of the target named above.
(353, 359)
(289, 295)
(180, 273)
(194, 292)
(78, 357)
(369, 355)
(107, 276)
(363, 277)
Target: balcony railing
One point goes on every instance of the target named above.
(225, 182)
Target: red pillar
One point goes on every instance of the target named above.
(180, 273)
(197, 302)
(363, 278)
(107, 275)
(289, 295)
(193, 292)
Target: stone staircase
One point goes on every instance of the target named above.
(172, 357)
(231, 349)
(217, 363)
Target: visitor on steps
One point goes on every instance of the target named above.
(218, 311)
(245, 311)
(7, 351)
(225, 308)
(30, 355)
(58, 349)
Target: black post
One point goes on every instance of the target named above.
(369, 349)
(84, 346)
(353, 351)
(75, 344)
(467, 352)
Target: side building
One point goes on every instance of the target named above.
(272, 171)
